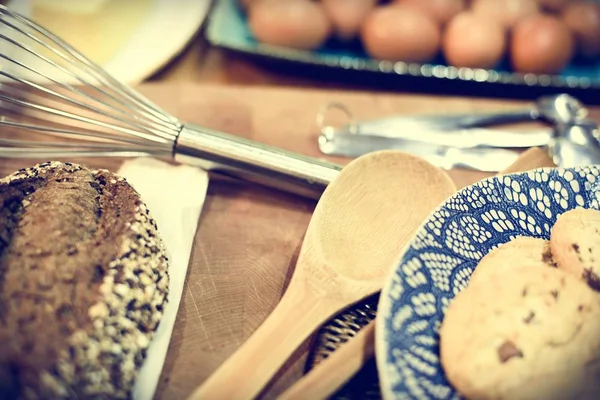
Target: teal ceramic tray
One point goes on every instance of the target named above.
(227, 28)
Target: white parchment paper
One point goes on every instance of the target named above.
(175, 196)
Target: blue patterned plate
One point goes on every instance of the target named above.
(438, 263)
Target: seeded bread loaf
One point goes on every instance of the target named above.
(83, 283)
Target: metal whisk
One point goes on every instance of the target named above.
(55, 103)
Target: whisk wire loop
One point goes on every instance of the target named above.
(146, 133)
(49, 88)
(75, 117)
(54, 45)
(163, 131)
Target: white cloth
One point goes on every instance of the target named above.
(175, 196)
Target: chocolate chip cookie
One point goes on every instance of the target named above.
(533, 334)
(575, 244)
(521, 251)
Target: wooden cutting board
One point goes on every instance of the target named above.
(248, 236)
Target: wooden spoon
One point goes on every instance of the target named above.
(374, 204)
(532, 158)
(332, 373)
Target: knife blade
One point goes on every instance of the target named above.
(447, 157)
(414, 128)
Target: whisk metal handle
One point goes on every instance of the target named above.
(254, 162)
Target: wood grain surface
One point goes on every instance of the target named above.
(248, 237)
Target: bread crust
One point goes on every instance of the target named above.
(100, 353)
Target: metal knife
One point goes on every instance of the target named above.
(413, 128)
(447, 157)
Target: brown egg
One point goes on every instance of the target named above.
(583, 18)
(348, 16)
(541, 44)
(473, 41)
(398, 33)
(441, 10)
(508, 12)
(555, 5)
(300, 24)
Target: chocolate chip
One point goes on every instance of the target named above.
(529, 318)
(592, 279)
(547, 258)
(554, 294)
(575, 247)
(508, 350)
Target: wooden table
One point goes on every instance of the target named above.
(248, 237)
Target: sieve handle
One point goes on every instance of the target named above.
(254, 162)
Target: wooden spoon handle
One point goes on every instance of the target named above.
(245, 374)
(348, 359)
(331, 374)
